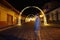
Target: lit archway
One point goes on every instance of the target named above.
(19, 21)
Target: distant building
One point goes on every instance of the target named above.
(52, 12)
(53, 16)
(51, 5)
(8, 15)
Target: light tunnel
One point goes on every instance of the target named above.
(19, 21)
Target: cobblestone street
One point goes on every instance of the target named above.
(27, 33)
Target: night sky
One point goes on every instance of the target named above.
(20, 4)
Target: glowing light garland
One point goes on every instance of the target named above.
(19, 21)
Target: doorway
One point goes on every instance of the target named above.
(9, 19)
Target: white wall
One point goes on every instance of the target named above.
(54, 14)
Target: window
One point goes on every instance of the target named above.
(52, 16)
(57, 15)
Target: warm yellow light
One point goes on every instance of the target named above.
(45, 21)
(27, 20)
(32, 19)
(47, 25)
(41, 15)
(19, 22)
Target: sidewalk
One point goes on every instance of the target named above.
(52, 25)
(7, 27)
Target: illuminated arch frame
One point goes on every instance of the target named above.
(19, 21)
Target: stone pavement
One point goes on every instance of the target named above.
(50, 34)
(26, 32)
(46, 34)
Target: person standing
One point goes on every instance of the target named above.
(37, 27)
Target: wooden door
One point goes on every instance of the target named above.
(9, 19)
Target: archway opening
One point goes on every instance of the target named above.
(19, 21)
(29, 18)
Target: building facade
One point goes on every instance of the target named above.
(53, 16)
(7, 16)
(52, 12)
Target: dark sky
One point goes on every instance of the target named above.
(20, 4)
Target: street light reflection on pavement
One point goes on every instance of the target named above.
(47, 25)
